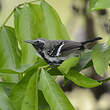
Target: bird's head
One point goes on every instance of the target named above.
(39, 44)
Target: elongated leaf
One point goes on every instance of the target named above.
(5, 103)
(54, 71)
(42, 104)
(98, 4)
(55, 29)
(85, 58)
(8, 71)
(9, 51)
(53, 93)
(7, 86)
(17, 93)
(27, 68)
(24, 68)
(82, 80)
(12, 78)
(68, 64)
(101, 57)
(30, 101)
(26, 29)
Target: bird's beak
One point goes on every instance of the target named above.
(29, 41)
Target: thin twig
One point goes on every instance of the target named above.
(14, 9)
(28, 2)
(104, 80)
(8, 17)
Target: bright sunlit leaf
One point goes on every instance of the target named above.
(30, 100)
(98, 4)
(18, 92)
(82, 80)
(9, 51)
(101, 58)
(53, 93)
(5, 103)
(68, 64)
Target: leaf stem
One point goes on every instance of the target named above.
(44, 67)
(20, 76)
(8, 17)
(104, 80)
(28, 2)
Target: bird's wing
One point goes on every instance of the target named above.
(70, 45)
(65, 47)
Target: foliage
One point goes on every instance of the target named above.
(98, 4)
(27, 83)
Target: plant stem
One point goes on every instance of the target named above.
(20, 76)
(13, 11)
(8, 17)
(28, 2)
(104, 80)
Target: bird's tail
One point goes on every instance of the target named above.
(93, 40)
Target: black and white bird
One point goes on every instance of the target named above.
(55, 52)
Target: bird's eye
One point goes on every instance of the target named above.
(40, 45)
(38, 41)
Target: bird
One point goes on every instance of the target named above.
(54, 52)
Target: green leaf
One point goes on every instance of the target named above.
(25, 67)
(101, 57)
(68, 64)
(85, 58)
(81, 80)
(30, 101)
(53, 25)
(54, 71)
(42, 104)
(12, 78)
(5, 103)
(26, 29)
(18, 92)
(9, 51)
(98, 4)
(7, 86)
(8, 71)
(53, 93)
